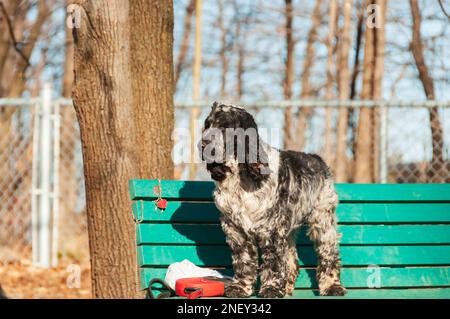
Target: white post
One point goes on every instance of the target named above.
(44, 168)
(34, 185)
(55, 197)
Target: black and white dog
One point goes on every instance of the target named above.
(265, 195)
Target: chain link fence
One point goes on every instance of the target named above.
(20, 157)
(408, 141)
(73, 239)
(16, 147)
(407, 151)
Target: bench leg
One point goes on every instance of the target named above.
(244, 254)
(323, 231)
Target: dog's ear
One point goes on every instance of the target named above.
(256, 171)
(256, 164)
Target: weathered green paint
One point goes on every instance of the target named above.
(351, 234)
(403, 228)
(393, 192)
(415, 293)
(393, 213)
(177, 212)
(192, 190)
(352, 277)
(198, 190)
(206, 212)
(434, 293)
(219, 255)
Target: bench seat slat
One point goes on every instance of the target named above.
(199, 190)
(351, 234)
(178, 211)
(351, 277)
(429, 293)
(403, 293)
(209, 255)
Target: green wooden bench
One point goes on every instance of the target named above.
(395, 243)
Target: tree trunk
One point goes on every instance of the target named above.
(437, 135)
(123, 97)
(241, 21)
(67, 171)
(355, 73)
(5, 37)
(363, 149)
(328, 144)
(19, 80)
(358, 41)
(223, 49)
(187, 27)
(304, 113)
(68, 65)
(371, 89)
(240, 71)
(344, 93)
(377, 89)
(196, 81)
(289, 74)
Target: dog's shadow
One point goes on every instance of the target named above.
(211, 250)
(308, 261)
(215, 253)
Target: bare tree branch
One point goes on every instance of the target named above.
(16, 44)
(443, 9)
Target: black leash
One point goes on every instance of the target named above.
(165, 294)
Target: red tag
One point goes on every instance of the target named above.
(161, 203)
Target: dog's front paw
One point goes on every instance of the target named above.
(271, 292)
(237, 291)
(334, 290)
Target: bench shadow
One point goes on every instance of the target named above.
(210, 255)
(218, 256)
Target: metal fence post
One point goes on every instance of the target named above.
(34, 185)
(55, 193)
(44, 180)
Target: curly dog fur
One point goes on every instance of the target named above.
(264, 202)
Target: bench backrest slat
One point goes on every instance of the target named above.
(202, 191)
(212, 234)
(196, 212)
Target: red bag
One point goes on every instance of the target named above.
(199, 287)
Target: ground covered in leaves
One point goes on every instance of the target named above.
(66, 281)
